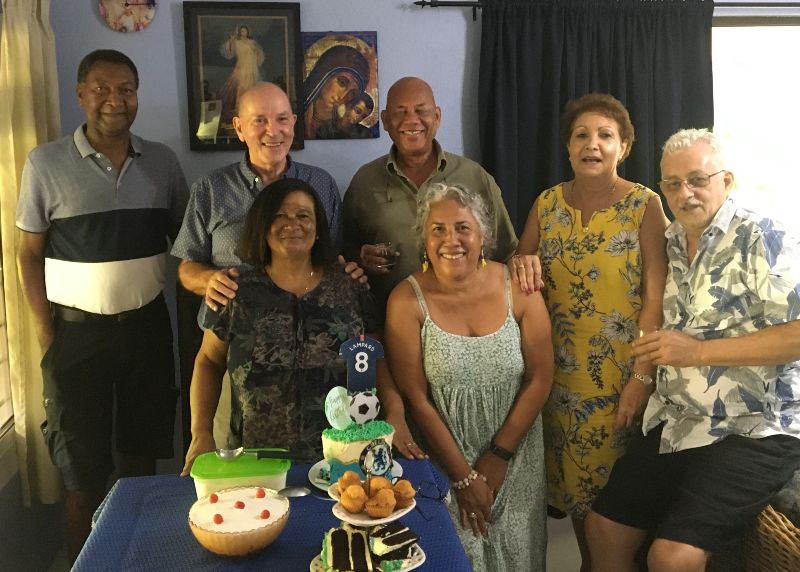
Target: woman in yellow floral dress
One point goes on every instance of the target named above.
(600, 239)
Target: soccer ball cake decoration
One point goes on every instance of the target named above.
(364, 406)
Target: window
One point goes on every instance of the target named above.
(755, 91)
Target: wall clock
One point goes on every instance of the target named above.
(128, 15)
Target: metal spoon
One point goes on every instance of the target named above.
(229, 454)
(233, 454)
(294, 491)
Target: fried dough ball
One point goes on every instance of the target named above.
(403, 493)
(381, 504)
(347, 479)
(353, 499)
(378, 484)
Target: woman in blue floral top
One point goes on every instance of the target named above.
(279, 337)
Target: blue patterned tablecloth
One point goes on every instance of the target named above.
(143, 525)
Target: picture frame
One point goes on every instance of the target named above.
(229, 47)
(340, 82)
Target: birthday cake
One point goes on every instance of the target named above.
(351, 549)
(352, 412)
(342, 448)
(238, 521)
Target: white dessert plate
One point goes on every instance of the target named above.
(319, 474)
(362, 518)
(417, 560)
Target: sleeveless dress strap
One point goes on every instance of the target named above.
(509, 298)
(420, 297)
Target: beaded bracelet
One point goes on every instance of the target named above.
(467, 481)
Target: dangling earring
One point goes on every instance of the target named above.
(483, 259)
(424, 260)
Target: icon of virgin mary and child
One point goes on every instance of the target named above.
(336, 98)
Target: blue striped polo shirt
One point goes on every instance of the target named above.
(107, 230)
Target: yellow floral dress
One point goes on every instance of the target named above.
(593, 293)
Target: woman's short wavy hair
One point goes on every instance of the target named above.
(686, 138)
(253, 248)
(601, 103)
(441, 192)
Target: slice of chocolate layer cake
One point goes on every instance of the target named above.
(391, 537)
(346, 550)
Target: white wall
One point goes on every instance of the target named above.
(440, 45)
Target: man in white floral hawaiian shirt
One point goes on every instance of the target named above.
(723, 424)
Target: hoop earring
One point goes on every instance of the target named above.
(483, 259)
(425, 261)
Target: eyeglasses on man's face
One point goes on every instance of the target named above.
(696, 181)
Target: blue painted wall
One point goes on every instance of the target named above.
(438, 44)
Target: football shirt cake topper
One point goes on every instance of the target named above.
(361, 354)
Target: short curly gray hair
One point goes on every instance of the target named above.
(441, 192)
(686, 138)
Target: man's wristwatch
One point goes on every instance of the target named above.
(645, 378)
(499, 451)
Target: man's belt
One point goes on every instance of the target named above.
(82, 316)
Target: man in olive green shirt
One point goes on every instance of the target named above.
(381, 203)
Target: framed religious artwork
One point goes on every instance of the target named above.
(340, 85)
(230, 46)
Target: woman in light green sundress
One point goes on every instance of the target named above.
(472, 355)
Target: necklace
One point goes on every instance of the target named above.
(290, 285)
(310, 280)
(611, 190)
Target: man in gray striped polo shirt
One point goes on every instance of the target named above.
(96, 209)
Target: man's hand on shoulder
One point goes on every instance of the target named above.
(221, 287)
(373, 258)
(354, 270)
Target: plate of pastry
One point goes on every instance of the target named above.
(383, 503)
(416, 560)
(384, 547)
(319, 474)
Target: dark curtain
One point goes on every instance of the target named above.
(652, 55)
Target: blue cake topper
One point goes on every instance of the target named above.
(376, 458)
(361, 353)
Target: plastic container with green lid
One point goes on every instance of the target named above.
(210, 473)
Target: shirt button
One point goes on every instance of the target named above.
(98, 155)
(47, 401)
(44, 431)
(108, 168)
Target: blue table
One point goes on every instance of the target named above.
(143, 525)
